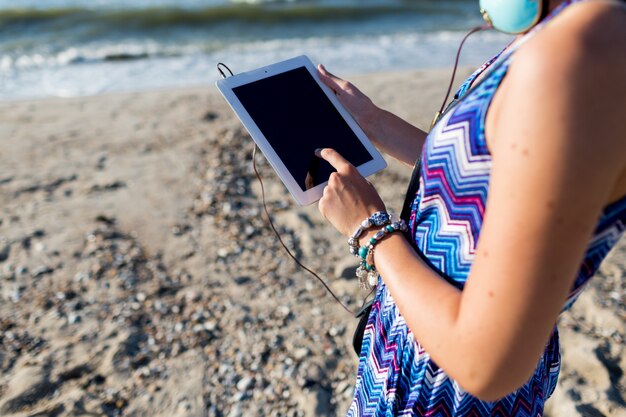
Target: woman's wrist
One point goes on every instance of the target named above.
(369, 121)
(364, 241)
(369, 234)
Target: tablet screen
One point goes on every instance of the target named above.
(296, 117)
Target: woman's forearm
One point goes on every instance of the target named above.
(394, 136)
(432, 309)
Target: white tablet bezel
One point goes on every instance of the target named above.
(302, 197)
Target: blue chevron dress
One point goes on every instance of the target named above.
(396, 375)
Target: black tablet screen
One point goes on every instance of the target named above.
(296, 117)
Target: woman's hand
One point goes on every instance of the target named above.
(389, 133)
(358, 104)
(348, 198)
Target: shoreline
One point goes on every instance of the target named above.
(138, 275)
(198, 87)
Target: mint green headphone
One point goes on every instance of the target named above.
(513, 16)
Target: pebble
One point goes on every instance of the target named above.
(26, 242)
(73, 318)
(337, 330)
(80, 277)
(13, 294)
(8, 274)
(210, 116)
(42, 270)
(310, 375)
(301, 353)
(236, 411)
(243, 280)
(344, 388)
(283, 311)
(245, 383)
(184, 405)
(192, 296)
(180, 230)
(210, 326)
(5, 250)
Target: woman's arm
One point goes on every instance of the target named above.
(559, 148)
(390, 133)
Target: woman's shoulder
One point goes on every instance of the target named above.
(576, 62)
(591, 32)
(589, 12)
(565, 91)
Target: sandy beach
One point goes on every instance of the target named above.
(138, 276)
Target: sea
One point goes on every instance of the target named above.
(69, 48)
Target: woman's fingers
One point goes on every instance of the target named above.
(332, 81)
(355, 102)
(348, 197)
(327, 78)
(335, 159)
(324, 71)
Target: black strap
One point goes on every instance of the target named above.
(411, 191)
(362, 315)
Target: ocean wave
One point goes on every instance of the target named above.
(114, 52)
(119, 52)
(262, 12)
(185, 68)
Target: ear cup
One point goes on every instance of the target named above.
(512, 16)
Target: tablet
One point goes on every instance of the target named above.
(290, 113)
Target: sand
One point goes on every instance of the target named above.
(139, 278)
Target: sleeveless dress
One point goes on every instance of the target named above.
(396, 376)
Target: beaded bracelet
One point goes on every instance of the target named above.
(380, 218)
(366, 272)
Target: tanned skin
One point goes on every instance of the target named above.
(557, 136)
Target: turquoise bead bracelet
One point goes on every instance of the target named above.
(390, 228)
(380, 218)
(366, 272)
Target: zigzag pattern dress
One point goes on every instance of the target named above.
(396, 376)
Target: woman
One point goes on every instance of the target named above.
(534, 164)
